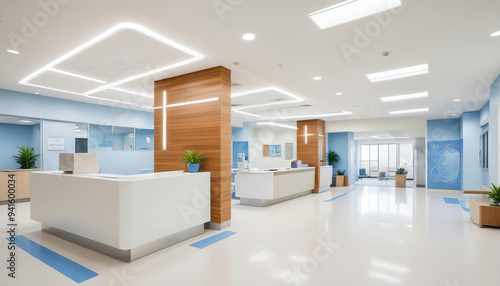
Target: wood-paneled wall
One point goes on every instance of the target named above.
(312, 152)
(202, 126)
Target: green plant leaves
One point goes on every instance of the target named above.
(333, 158)
(494, 193)
(401, 171)
(193, 157)
(26, 157)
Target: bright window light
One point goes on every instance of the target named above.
(350, 10)
(404, 97)
(278, 125)
(409, 111)
(120, 27)
(399, 73)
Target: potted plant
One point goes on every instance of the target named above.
(401, 178)
(193, 160)
(333, 158)
(26, 157)
(494, 195)
(340, 178)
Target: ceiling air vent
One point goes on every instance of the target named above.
(235, 105)
(278, 99)
(306, 105)
(236, 84)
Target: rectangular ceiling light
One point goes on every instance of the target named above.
(343, 113)
(278, 125)
(351, 10)
(404, 97)
(409, 111)
(398, 73)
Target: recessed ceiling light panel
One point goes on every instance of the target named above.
(350, 10)
(248, 37)
(277, 125)
(496, 34)
(317, 78)
(404, 97)
(13, 52)
(409, 111)
(399, 73)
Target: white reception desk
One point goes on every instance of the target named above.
(262, 188)
(325, 178)
(126, 217)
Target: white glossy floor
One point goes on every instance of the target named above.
(374, 182)
(370, 236)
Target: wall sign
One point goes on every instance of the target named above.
(55, 144)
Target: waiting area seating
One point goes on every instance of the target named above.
(362, 173)
(383, 176)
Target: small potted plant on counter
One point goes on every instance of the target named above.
(26, 157)
(494, 195)
(333, 158)
(401, 178)
(193, 160)
(340, 178)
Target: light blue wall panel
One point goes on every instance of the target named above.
(471, 131)
(124, 162)
(339, 142)
(444, 129)
(493, 133)
(36, 106)
(141, 139)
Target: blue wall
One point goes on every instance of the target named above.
(444, 152)
(59, 117)
(470, 133)
(240, 138)
(141, 142)
(493, 134)
(13, 135)
(339, 142)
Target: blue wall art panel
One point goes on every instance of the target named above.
(444, 164)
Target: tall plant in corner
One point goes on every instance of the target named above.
(26, 157)
(333, 158)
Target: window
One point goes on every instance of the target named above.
(376, 158)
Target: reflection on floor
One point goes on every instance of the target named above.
(381, 183)
(347, 236)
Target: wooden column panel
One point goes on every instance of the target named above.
(202, 126)
(312, 151)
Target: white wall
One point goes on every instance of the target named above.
(263, 135)
(415, 126)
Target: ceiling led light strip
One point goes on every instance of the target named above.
(343, 113)
(351, 10)
(404, 97)
(188, 102)
(76, 75)
(107, 99)
(277, 125)
(409, 111)
(246, 113)
(132, 92)
(399, 73)
(120, 27)
(295, 98)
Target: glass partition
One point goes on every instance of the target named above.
(123, 138)
(144, 139)
(100, 136)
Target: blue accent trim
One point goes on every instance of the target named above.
(213, 239)
(65, 266)
(453, 201)
(337, 197)
(464, 206)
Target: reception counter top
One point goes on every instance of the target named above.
(126, 217)
(267, 187)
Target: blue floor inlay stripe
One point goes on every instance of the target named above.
(337, 197)
(451, 201)
(65, 266)
(464, 206)
(213, 239)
